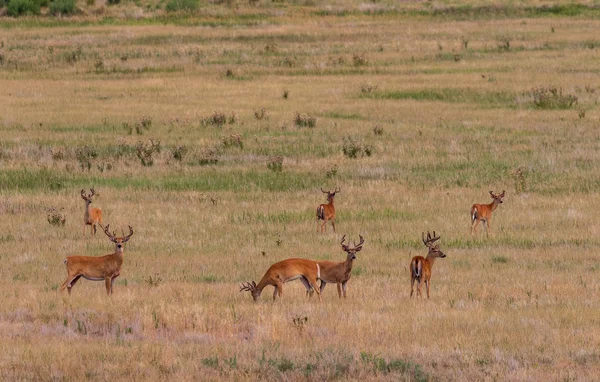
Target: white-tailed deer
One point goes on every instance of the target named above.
(420, 267)
(338, 273)
(92, 216)
(483, 212)
(282, 272)
(104, 268)
(326, 212)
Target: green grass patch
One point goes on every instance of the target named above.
(450, 95)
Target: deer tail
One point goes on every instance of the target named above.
(473, 214)
(65, 261)
(417, 266)
(321, 212)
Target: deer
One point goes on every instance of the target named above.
(420, 267)
(92, 216)
(104, 268)
(483, 212)
(326, 212)
(338, 273)
(284, 271)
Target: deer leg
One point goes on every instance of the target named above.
(487, 227)
(344, 285)
(309, 291)
(412, 285)
(107, 282)
(313, 283)
(474, 226)
(419, 288)
(69, 282)
(339, 288)
(323, 285)
(324, 226)
(427, 285)
(94, 227)
(112, 282)
(333, 224)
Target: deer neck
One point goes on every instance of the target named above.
(118, 254)
(430, 259)
(493, 205)
(348, 266)
(88, 210)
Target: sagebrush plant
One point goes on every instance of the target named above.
(179, 152)
(355, 149)
(146, 151)
(56, 217)
(260, 114)
(86, 155)
(233, 140)
(305, 120)
(63, 7)
(551, 97)
(275, 163)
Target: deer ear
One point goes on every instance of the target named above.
(358, 249)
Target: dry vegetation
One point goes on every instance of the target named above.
(189, 133)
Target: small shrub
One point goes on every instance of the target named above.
(275, 163)
(153, 281)
(288, 61)
(332, 172)
(551, 97)
(520, 178)
(377, 130)
(73, 56)
(178, 152)
(85, 156)
(359, 60)
(229, 73)
(271, 47)
(113, 2)
(260, 114)
(57, 154)
(367, 88)
(465, 42)
(305, 120)
(581, 113)
(300, 322)
(23, 7)
(208, 157)
(354, 149)
(504, 43)
(145, 152)
(181, 5)
(143, 124)
(285, 95)
(234, 140)
(217, 119)
(499, 259)
(63, 7)
(2, 58)
(90, 3)
(99, 65)
(56, 218)
(233, 118)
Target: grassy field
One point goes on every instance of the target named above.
(212, 133)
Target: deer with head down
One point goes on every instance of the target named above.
(104, 268)
(326, 212)
(282, 272)
(92, 216)
(420, 267)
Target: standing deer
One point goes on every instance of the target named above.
(105, 268)
(326, 212)
(420, 268)
(483, 212)
(338, 273)
(92, 216)
(282, 272)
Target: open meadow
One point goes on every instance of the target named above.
(211, 134)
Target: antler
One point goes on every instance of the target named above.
(92, 192)
(360, 244)
(111, 236)
(336, 190)
(323, 191)
(430, 240)
(83, 194)
(344, 247)
(126, 238)
(247, 286)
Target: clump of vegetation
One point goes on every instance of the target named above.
(300, 322)
(368, 88)
(377, 130)
(56, 218)
(229, 73)
(234, 140)
(285, 95)
(99, 65)
(332, 172)
(288, 61)
(581, 113)
(23, 7)
(359, 60)
(354, 149)
(380, 365)
(63, 7)
(305, 120)
(74, 55)
(181, 5)
(504, 43)
(139, 126)
(85, 156)
(57, 154)
(271, 47)
(520, 178)
(275, 163)
(208, 157)
(261, 114)
(179, 152)
(218, 119)
(146, 151)
(551, 97)
(153, 281)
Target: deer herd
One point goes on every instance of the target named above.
(309, 272)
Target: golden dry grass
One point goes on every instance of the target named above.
(457, 122)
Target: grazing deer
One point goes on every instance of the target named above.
(326, 212)
(282, 272)
(92, 216)
(483, 212)
(420, 268)
(338, 273)
(105, 268)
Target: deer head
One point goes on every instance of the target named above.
(434, 250)
(251, 287)
(119, 241)
(352, 251)
(499, 198)
(330, 195)
(88, 198)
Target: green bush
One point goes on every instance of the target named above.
(63, 7)
(113, 2)
(23, 7)
(181, 5)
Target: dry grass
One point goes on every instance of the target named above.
(521, 305)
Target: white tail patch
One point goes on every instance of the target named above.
(318, 271)
(321, 213)
(474, 216)
(417, 266)
(65, 261)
